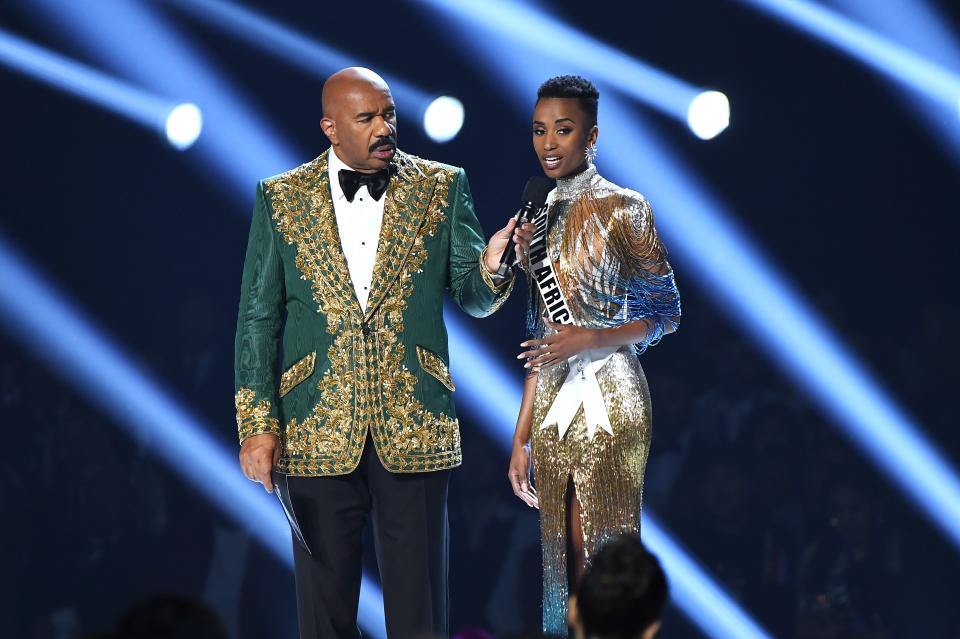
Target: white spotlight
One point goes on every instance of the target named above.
(443, 118)
(708, 114)
(183, 126)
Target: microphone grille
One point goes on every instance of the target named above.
(536, 191)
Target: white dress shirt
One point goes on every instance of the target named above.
(359, 225)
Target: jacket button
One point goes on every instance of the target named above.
(365, 329)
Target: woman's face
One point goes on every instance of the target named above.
(561, 134)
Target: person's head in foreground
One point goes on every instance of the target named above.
(622, 594)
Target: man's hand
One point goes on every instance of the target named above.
(258, 455)
(521, 236)
(569, 340)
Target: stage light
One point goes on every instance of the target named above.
(84, 82)
(183, 126)
(881, 54)
(37, 315)
(133, 40)
(493, 394)
(916, 24)
(709, 114)
(317, 58)
(723, 619)
(443, 119)
(571, 49)
(743, 282)
(239, 144)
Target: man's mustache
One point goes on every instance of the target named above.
(381, 142)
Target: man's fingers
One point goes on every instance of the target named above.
(263, 476)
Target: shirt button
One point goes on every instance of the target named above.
(363, 243)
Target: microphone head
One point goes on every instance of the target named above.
(535, 193)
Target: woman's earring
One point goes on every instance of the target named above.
(591, 153)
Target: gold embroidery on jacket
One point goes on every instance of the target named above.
(366, 380)
(432, 364)
(502, 289)
(253, 419)
(300, 371)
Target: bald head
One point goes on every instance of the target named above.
(347, 82)
(360, 118)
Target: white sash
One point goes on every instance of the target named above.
(580, 386)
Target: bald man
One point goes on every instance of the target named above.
(347, 263)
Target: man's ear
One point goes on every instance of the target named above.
(651, 630)
(329, 128)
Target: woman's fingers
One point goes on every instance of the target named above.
(514, 478)
(545, 359)
(528, 354)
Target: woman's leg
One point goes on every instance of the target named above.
(576, 558)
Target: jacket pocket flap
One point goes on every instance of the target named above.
(433, 365)
(299, 371)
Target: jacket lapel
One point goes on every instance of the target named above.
(404, 214)
(332, 268)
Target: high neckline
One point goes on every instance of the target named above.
(576, 184)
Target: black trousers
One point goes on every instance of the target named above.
(410, 531)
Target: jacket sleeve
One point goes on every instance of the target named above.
(259, 324)
(472, 287)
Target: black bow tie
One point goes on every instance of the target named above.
(351, 181)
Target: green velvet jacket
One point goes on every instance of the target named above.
(344, 370)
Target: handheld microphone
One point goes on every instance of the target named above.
(534, 197)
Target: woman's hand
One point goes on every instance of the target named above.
(519, 475)
(569, 340)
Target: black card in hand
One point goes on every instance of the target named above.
(282, 491)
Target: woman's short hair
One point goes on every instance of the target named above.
(572, 86)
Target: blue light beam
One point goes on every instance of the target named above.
(493, 393)
(917, 25)
(33, 312)
(519, 25)
(694, 592)
(98, 88)
(743, 282)
(132, 40)
(316, 58)
(881, 54)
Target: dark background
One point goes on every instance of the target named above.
(825, 166)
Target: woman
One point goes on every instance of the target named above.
(600, 293)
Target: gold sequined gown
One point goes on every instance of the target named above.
(612, 269)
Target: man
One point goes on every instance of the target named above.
(348, 259)
(622, 594)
